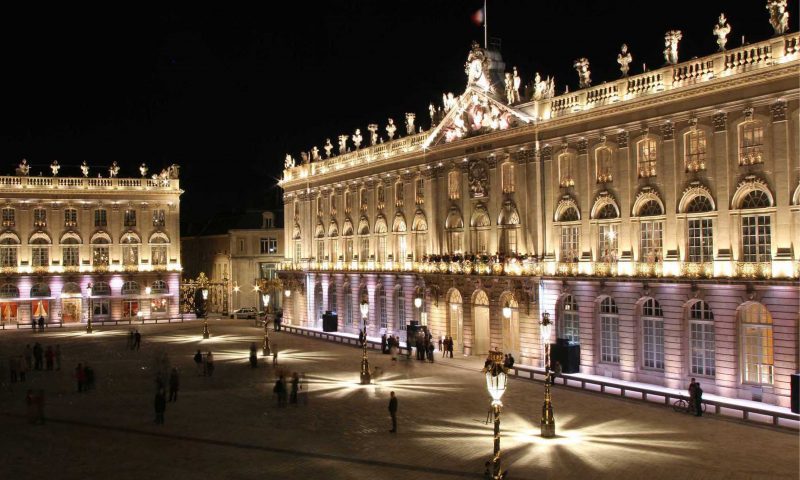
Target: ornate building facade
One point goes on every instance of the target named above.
(655, 218)
(74, 245)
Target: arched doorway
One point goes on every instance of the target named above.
(71, 303)
(456, 319)
(510, 307)
(480, 315)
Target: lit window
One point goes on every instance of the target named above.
(653, 335)
(508, 177)
(454, 185)
(420, 191)
(159, 218)
(609, 327)
(570, 243)
(751, 142)
(9, 217)
(39, 217)
(100, 218)
(647, 155)
(695, 151)
(608, 241)
(566, 170)
(701, 240)
(604, 166)
(70, 217)
(757, 349)
(701, 326)
(130, 218)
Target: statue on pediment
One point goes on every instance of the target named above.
(373, 134)
(288, 162)
(342, 144)
(328, 147)
(55, 167)
(448, 101)
(304, 157)
(543, 89)
(671, 39)
(517, 84)
(143, 169)
(390, 129)
(584, 74)
(113, 170)
(721, 30)
(357, 138)
(478, 179)
(477, 68)
(85, 169)
(315, 154)
(410, 117)
(24, 169)
(624, 58)
(509, 81)
(778, 16)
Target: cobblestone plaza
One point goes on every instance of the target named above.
(228, 425)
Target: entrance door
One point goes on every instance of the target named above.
(511, 334)
(71, 310)
(481, 317)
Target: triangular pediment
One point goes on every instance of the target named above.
(475, 113)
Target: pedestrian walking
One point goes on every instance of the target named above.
(280, 391)
(160, 406)
(58, 357)
(49, 356)
(302, 389)
(137, 339)
(295, 388)
(383, 343)
(209, 363)
(41, 323)
(393, 412)
(174, 382)
(698, 400)
(80, 377)
(198, 362)
(253, 355)
(274, 356)
(450, 347)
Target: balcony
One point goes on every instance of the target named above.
(14, 183)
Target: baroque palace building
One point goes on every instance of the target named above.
(655, 218)
(74, 245)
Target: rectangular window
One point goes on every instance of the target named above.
(653, 343)
(130, 308)
(647, 156)
(650, 241)
(419, 246)
(335, 249)
(750, 144)
(401, 310)
(609, 346)
(100, 307)
(757, 353)
(241, 245)
(348, 309)
(264, 246)
(8, 256)
(702, 348)
(100, 256)
(320, 249)
(70, 217)
(384, 319)
(756, 238)
(130, 255)
(455, 239)
(159, 218)
(70, 256)
(695, 148)
(701, 240)
(381, 248)
(39, 217)
(40, 256)
(402, 248)
(420, 191)
(130, 218)
(272, 245)
(454, 185)
(363, 254)
(482, 242)
(158, 255)
(348, 249)
(509, 243)
(267, 271)
(570, 243)
(9, 217)
(298, 251)
(607, 240)
(508, 178)
(100, 218)
(268, 222)
(159, 305)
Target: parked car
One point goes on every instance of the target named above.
(245, 312)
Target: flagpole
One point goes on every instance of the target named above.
(485, 26)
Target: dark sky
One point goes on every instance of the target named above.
(227, 92)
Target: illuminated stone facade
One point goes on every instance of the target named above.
(62, 234)
(655, 217)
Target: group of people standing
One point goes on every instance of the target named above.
(134, 339)
(34, 358)
(446, 346)
(297, 393)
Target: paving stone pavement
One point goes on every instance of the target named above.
(229, 426)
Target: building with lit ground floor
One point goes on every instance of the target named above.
(654, 218)
(71, 247)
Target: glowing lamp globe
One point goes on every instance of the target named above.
(265, 297)
(496, 378)
(205, 293)
(364, 308)
(418, 302)
(507, 311)
(546, 327)
(287, 292)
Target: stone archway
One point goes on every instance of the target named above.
(480, 316)
(510, 324)
(455, 319)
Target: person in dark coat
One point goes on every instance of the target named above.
(383, 343)
(174, 382)
(41, 323)
(160, 406)
(698, 400)
(393, 412)
(137, 340)
(253, 355)
(198, 361)
(80, 377)
(295, 385)
(280, 391)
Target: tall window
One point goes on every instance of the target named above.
(40, 253)
(9, 217)
(650, 233)
(334, 249)
(130, 250)
(348, 306)
(455, 240)
(363, 254)
(70, 255)
(420, 238)
(509, 240)
(609, 328)
(381, 248)
(646, 157)
(100, 218)
(347, 202)
(399, 194)
(100, 252)
(319, 205)
(694, 147)
(570, 243)
(508, 177)
(400, 309)
(454, 185)
(701, 326)
(364, 202)
(320, 249)
(402, 247)
(8, 251)
(701, 240)
(70, 217)
(381, 197)
(419, 191)
(318, 310)
(383, 319)
(608, 242)
(333, 304)
(652, 335)
(757, 346)
(604, 165)
(569, 327)
(39, 217)
(333, 204)
(158, 249)
(566, 169)
(751, 143)
(130, 218)
(263, 246)
(159, 218)
(298, 251)
(756, 229)
(348, 248)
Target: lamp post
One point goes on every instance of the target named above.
(89, 315)
(548, 422)
(366, 377)
(496, 381)
(206, 333)
(266, 349)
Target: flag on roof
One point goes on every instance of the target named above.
(478, 17)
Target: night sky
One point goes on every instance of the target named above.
(226, 93)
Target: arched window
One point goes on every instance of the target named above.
(566, 169)
(100, 242)
(652, 335)
(348, 306)
(131, 288)
(756, 228)
(699, 204)
(569, 214)
(130, 249)
(363, 232)
(480, 224)
(399, 229)
(40, 290)
(508, 180)
(757, 351)
(701, 340)
(333, 301)
(569, 326)
(650, 232)
(454, 185)
(70, 250)
(694, 150)
(40, 250)
(9, 291)
(9, 247)
(399, 308)
(609, 330)
(159, 286)
(646, 157)
(158, 248)
(604, 159)
(751, 143)
(380, 297)
(454, 226)
(420, 233)
(381, 229)
(347, 233)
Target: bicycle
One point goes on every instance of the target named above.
(682, 405)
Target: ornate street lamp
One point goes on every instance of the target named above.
(548, 423)
(89, 301)
(266, 349)
(496, 381)
(418, 300)
(287, 293)
(206, 333)
(366, 377)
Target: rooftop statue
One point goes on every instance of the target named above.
(24, 169)
(624, 58)
(584, 75)
(517, 84)
(85, 169)
(357, 138)
(477, 67)
(448, 101)
(113, 170)
(143, 169)
(304, 158)
(543, 89)
(373, 133)
(509, 81)
(55, 167)
(721, 30)
(410, 117)
(391, 128)
(328, 147)
(778, 16)
(671, 39)
(315, 154)
(342, 144)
